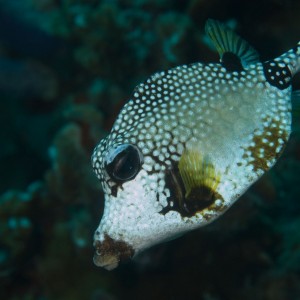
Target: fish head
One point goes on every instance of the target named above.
(145, 196)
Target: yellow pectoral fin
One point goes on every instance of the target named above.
(200, 180)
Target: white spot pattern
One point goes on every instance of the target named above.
(230, 117)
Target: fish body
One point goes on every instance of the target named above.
(189, 143)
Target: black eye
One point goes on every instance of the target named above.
(123, 162)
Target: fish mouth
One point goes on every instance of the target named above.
(109, 252)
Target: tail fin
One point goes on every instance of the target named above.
(291, 59)
(280, 71)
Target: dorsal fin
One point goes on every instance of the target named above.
(235, 53)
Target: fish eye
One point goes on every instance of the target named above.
(123, 162)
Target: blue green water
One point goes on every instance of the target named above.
(66, 69)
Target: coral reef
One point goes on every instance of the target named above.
(66, 68)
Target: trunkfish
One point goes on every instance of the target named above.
(189, 142)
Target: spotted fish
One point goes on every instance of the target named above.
(189, 143)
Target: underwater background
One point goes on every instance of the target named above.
(66, 69)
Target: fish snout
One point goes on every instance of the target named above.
(109, 252)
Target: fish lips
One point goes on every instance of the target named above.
(109, 252)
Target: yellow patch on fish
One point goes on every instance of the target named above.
(200, 180)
